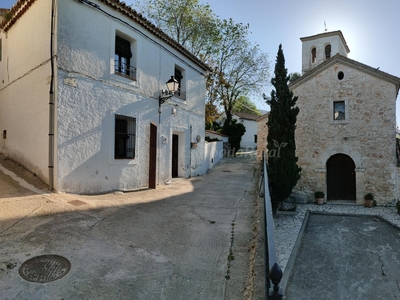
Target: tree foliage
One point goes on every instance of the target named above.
(294, 76)
(235, 131)
(245, 105)
(283, 171)
(190, 23)
(239, 68)
(212, 114)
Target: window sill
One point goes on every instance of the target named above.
(177, 100)
(335, 122)
(124, 79)
(125, 76)
(124, 161)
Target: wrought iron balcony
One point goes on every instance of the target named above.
(125, 70)
(181, 94)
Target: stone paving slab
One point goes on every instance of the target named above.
(288, 228)
(346, 257)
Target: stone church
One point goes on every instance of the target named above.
(346, 127)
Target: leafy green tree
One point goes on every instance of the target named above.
(239, 68)
(294, 76)
(245, 105)
(235, 131)
(211, 115)
(190, 23)
(283, 171)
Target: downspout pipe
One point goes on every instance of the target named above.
(51, 101)
(190, 151)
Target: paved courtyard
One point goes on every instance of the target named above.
(328, 261)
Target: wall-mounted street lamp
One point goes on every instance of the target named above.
(172, 87)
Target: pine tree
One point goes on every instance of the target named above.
(283, 171)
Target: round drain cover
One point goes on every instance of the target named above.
(44, 268)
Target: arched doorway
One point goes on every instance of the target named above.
(341, 178)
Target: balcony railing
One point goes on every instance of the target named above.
(124, 70)
(181, 94)
(272, 269)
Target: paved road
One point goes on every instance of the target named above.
(192, 239)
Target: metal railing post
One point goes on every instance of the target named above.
(273, 274)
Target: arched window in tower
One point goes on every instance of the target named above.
(313, 55)
(328, 51)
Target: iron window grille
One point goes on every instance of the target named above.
(180, 93)
(125, 137)
(122, 59)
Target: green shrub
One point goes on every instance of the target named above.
(319, 194)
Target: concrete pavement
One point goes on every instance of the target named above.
(193, 239)
(346, 257)
(349, 252)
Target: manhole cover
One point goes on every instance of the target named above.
(44, 268)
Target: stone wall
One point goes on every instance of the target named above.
(367, 134)
(262, 133)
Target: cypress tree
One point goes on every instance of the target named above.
(283, 171)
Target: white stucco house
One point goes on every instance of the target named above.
(80, 83)
(249, 121)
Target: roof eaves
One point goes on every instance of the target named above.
(246, 116)
(216, 133)
(264, 116)
(348, 62)
(324, 34)
(21, 6)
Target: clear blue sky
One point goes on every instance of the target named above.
(369, 27)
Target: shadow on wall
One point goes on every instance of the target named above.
(89, 160)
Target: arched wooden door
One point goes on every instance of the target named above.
(341, 178)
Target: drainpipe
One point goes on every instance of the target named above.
(51, 102)
(190, 152)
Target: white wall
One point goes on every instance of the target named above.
(24, 89)
(86, 111)
(214, 151)
(251, 130)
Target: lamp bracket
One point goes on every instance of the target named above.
(165, 95)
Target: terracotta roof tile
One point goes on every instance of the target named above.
(246, 116)
(217, 133)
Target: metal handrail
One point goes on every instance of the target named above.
(181, 94)
(273, 270)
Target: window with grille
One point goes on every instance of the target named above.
(178, 74)
(125, 137)
(123, 58)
